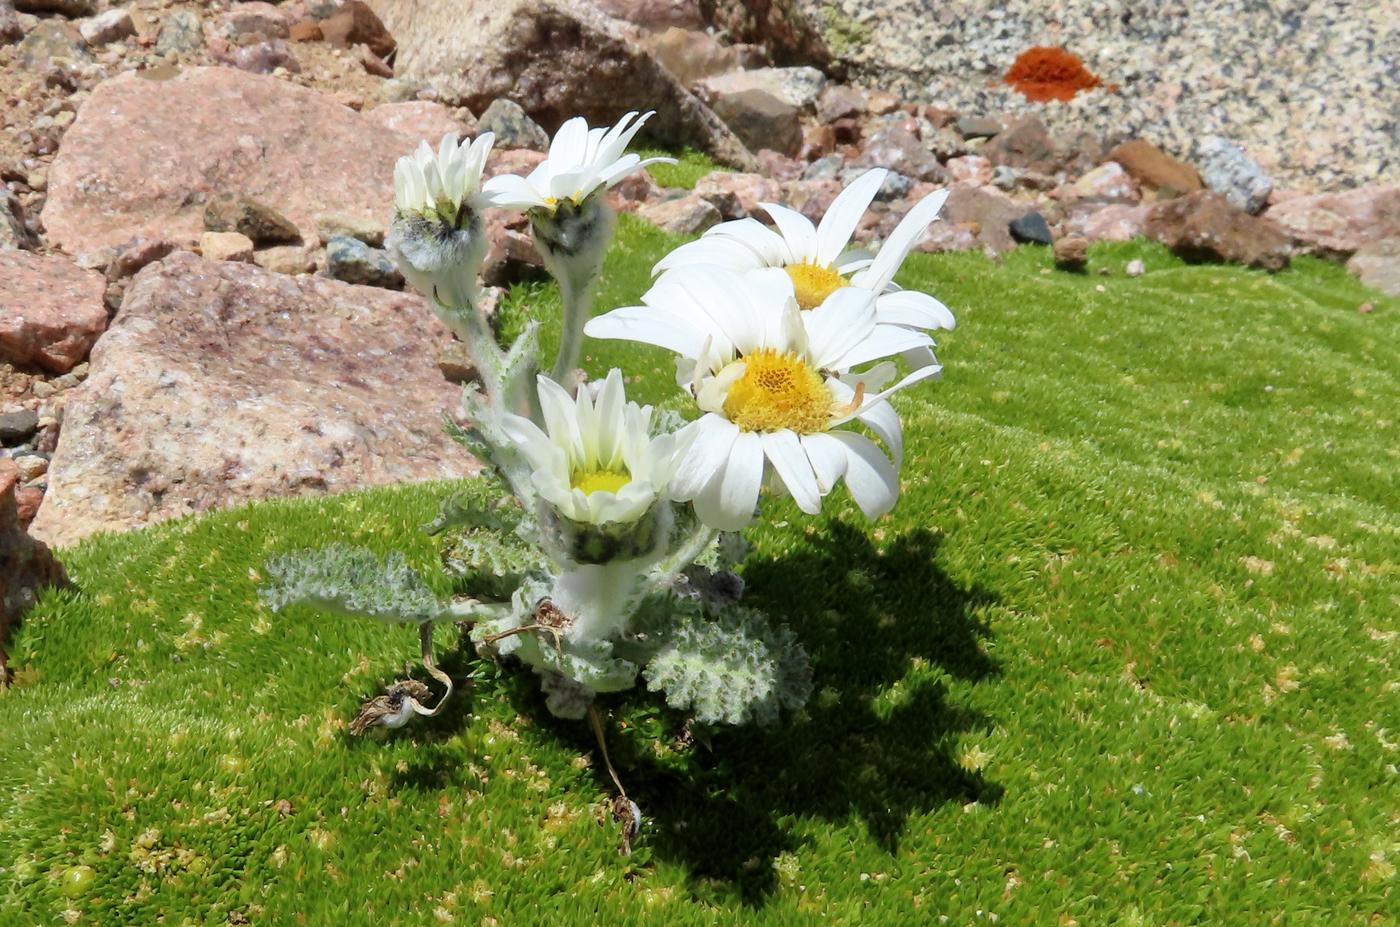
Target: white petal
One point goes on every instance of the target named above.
(897, 247)
(918, 358)
(560, 417)
(722, 252)
(910, 307)
(798, 232)
(871, 478)
(714, 437)
(569, 146)
(718, 295)
(649, 326)
(512, 192)
(828, 458)
(790, 462)
(527, 437)
(841, 324)
(610, 174)
(576, 183)
(611, 425)
(770, 247)
(728, 502)
(881, 418)
(844, 214)
(881, 341)
(922, 373)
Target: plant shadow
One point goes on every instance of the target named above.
(886, 631)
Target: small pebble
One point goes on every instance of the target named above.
(18, 426)
(1365, 308)
(31, 466)
(1136, 268)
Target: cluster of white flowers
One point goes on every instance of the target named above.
(784, 338)
(609, 563)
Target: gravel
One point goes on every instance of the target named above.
(1305, 87)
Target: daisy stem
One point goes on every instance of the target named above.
(576, 286)
(700, 538)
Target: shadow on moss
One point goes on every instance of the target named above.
(887, 632)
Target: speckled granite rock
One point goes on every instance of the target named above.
(556, 59)
(422, 119)
(51, 310)
(144, 156)
(797, 87)
(1337, 224)
(223, 383)
(1226, 169)
(1307, 88)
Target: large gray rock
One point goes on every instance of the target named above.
(798, 87)
(512, 126)
(145, 156)
(222, 383)
(556, 59)
(1227, 170)
(52, 41)
(761, 120)
(51, 310)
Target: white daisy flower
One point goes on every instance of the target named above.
(818, 262)
(439, 184)
(580, 161)
(438, 237)
(766, 376)
(595, 461)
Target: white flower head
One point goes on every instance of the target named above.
(438, 236)
(768, 377)
(596, 461)
(818, 261)
(440, 184)
(581, 160)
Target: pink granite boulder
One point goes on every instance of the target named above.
(51, 310)
(223, 383)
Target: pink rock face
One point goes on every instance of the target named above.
(1108, 181)
(973, 169)
(1340, 223)
(223, 383)
(736, 195)
(1115, 222)
(420, 119)
(51, 310)
(556, 59)
(144, 155)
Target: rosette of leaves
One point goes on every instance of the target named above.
(721, 662)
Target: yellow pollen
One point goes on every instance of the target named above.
(591, 481)
(779, 391)
(813, 284)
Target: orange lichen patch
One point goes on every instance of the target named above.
(1043, 73)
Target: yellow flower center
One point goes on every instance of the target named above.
(591, 481)
(778, 391)
(813, 284)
